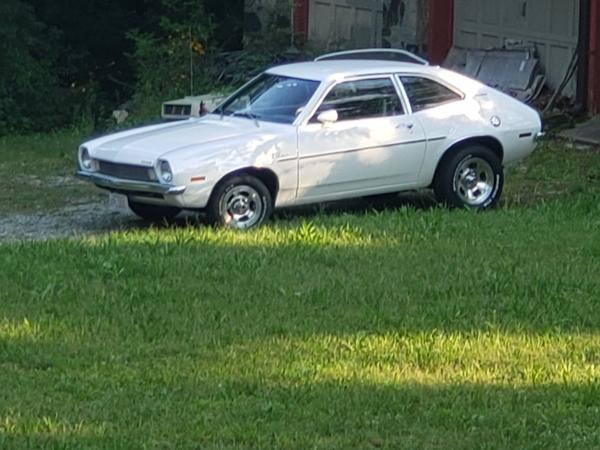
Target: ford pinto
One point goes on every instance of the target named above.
(320, 131)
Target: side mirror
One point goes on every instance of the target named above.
(328, 117)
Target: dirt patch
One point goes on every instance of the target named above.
(84, 219)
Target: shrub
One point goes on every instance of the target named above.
(162, 58)
(31, 98)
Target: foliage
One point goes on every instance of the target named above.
(163, 58)
(64, 62)
(187, 35)
(38, 86)
(231, 70)
(29, 81)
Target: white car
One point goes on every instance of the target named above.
(320, 131)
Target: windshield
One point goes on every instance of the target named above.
(272, 98)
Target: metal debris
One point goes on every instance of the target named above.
(516, 71)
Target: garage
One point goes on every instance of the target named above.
(345, 23)
(551, 25)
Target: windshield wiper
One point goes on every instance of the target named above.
(249, 115)
(221, 112)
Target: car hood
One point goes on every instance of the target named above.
(145, 145)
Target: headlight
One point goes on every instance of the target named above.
(85, 159)
(166, 174)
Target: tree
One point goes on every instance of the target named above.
(29, 76)
(162, 57)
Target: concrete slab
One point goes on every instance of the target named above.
(585, 133)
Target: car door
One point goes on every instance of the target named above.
(372, 147)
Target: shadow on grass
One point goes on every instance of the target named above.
(234, 414)
(420, 201)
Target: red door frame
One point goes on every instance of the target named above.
(593, 93)
(440, 30)
(300, 17)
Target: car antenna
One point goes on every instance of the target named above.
(191, 61)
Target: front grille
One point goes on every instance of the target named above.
(126, 171)
(178, 110)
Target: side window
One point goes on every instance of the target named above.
(363, 99)
(424, 93)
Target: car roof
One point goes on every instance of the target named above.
(340, 69)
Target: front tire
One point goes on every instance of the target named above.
(240, 202)
(153, 213)
(471, 178)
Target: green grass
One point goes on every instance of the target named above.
(555, 170)
(396, 328)
(37, 173)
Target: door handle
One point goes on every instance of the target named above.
(408, 126)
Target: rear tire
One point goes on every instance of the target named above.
(153, 213)
(240, 202)
(471, 178)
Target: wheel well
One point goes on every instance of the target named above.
(267, 176)
(485, 141)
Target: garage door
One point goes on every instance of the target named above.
(552, 25)
(335, 24)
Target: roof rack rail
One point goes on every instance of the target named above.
(379, 54)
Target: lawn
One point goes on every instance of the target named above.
(402, 327)
(36, 173)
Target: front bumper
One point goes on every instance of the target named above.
(119, 184)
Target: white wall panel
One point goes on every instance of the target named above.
(337, 24)
(553, 25)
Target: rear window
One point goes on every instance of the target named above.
(424, 93)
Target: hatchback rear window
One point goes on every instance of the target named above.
(424, 93)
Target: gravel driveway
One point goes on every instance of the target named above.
(101, 217)
(84, 219)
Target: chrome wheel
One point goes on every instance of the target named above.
(242, 207)
(474, 181)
